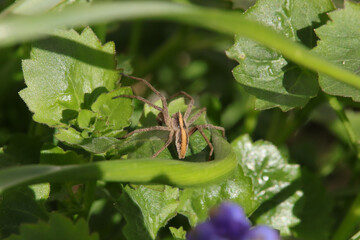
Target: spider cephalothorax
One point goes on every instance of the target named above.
(178, 125)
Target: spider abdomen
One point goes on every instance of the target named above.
(181, 134)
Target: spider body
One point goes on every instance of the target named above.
(177, 125)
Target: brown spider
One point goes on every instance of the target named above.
(177, 125)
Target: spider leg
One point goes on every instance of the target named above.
(212, 126)
(197, 128)
(170, 139)
(196, 116)
(141, 99)
(154, 128)
(162, 98)
(190, 105)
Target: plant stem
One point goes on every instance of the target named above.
(15, 29)
(352, 217)
(89, 193)
(335, 104)
(351, 220)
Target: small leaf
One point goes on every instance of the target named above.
(57, 228)
(84, 118)
(55, 155)
(147, 209)
(112, 114)
(263, 163)
(41, 191)
(64, 71)
(339, 44)
(91, 144)
(266, 73)
(178, 233)
(70, 136)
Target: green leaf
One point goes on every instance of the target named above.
(178, 233)
(84, 118)
(21, 205)
(58, 227)
(265, 73)
(315, 211)
(146, 209)
(91, 144)
(195, 203)
(64, 72)
(338, 44)
(281, 216)
(55, 155)
(112, 114)
(262, 162)
(41, 191)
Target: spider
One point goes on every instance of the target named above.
(177, 125)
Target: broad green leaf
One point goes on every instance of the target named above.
(281, 216)
(21, 205)
(268, 169)
(265, 73)
(195, 203)
(64, 72)
(141, 171)
(147, 209)
(339, 44)
(315, 211)
(57, 228)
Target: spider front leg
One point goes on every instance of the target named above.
(141, 99)
(154, 128)
(164, 109)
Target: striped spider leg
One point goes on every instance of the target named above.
(177, 125)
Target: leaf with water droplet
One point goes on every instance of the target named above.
(263, 163)
(267, 74)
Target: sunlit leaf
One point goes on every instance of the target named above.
(338, 44)
(265, 73)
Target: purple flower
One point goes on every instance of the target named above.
(262, 233)
(229, 221)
